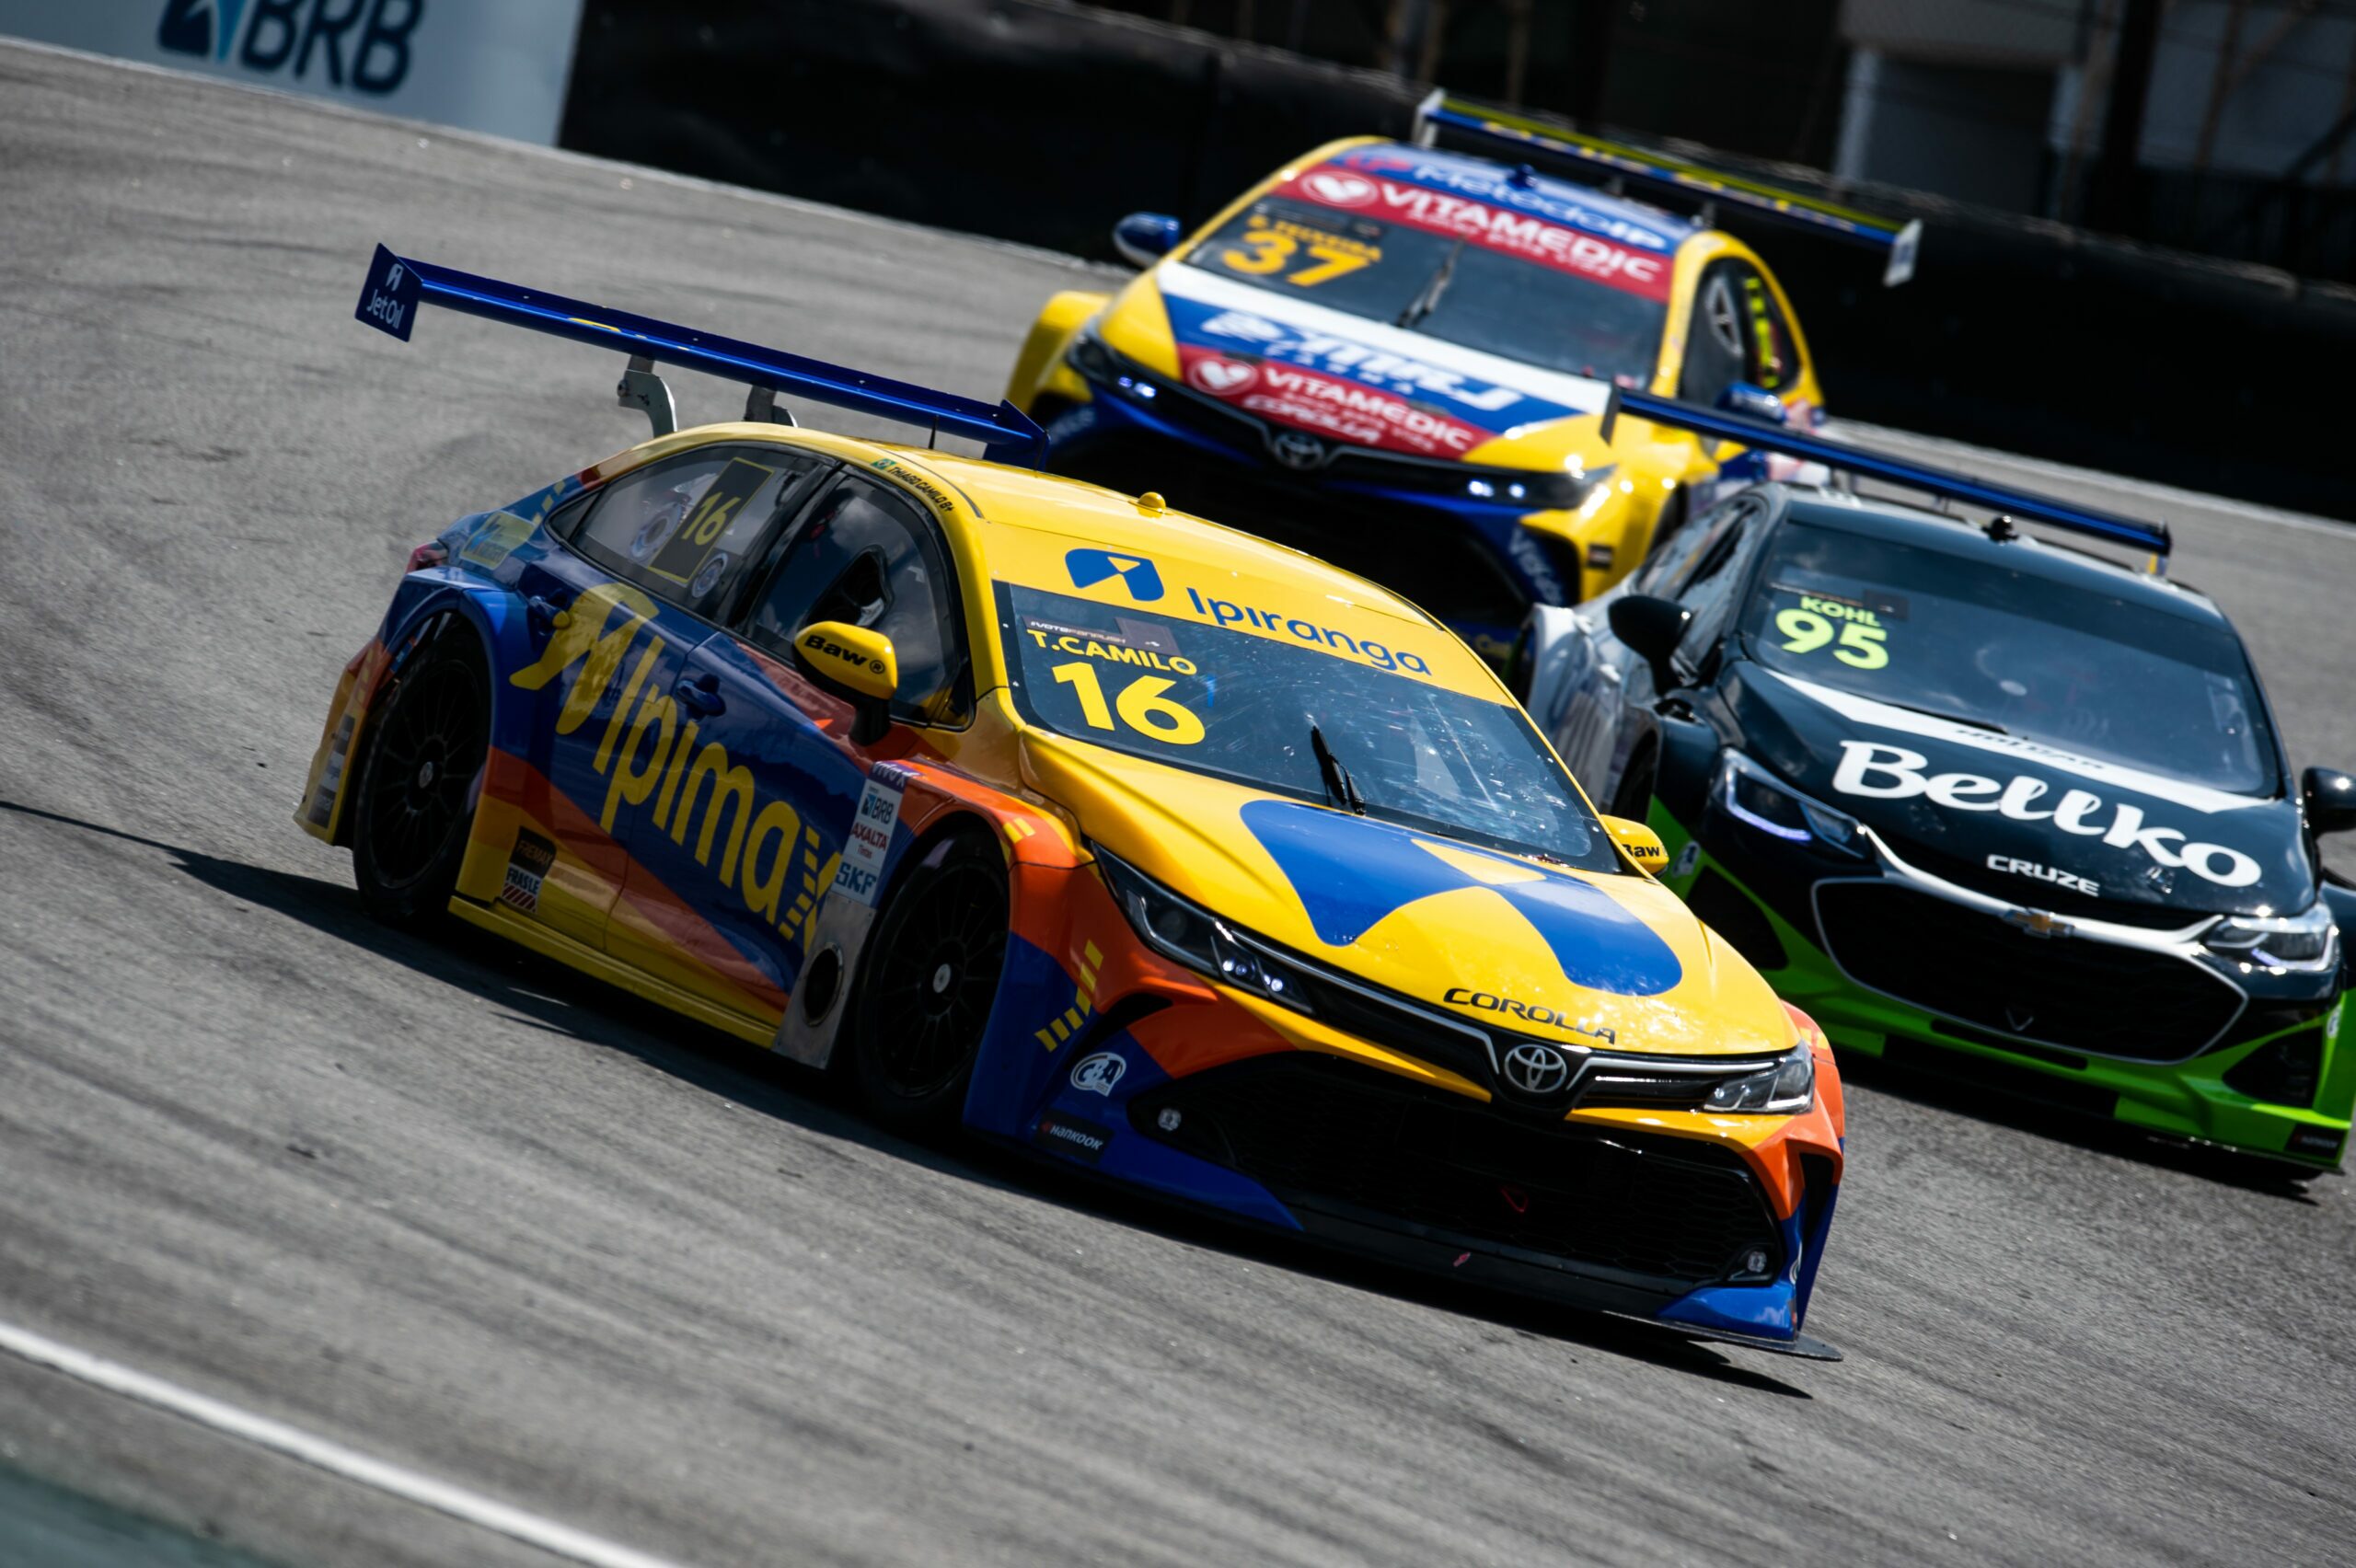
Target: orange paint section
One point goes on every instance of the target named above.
(581, 897)
(577, 891)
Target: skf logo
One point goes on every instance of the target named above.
(1088, 567)
(360, 43)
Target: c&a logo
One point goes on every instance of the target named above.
(360, 43)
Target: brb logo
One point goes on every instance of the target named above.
(360, 43)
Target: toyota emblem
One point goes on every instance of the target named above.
(1295, 450)
(1536, 1070)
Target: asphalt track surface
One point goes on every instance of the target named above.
(450, 1208)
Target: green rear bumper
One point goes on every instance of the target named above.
(2188, 1099)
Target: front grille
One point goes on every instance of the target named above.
(1979, 876)
(1324, 1134)
(1973, 967)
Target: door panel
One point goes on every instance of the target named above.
(741, 802)
(542, 801)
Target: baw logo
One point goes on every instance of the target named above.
(360, 43)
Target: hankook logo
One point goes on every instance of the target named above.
(1536, 1068)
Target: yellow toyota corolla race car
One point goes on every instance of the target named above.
(1396, 357)
(1147, 845)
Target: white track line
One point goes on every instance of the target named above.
(561, 1541)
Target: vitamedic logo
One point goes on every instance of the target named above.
(363, 44)
(1138, 575)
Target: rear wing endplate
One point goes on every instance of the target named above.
(1597, 162)
(398, 286)
(1944, 483)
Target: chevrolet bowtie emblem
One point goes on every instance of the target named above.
(2038, 923)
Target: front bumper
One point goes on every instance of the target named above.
(1709, 1225)
(2266, 1069)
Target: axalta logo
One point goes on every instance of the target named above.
(1138, 575)
(1893, 773)
(363, 44)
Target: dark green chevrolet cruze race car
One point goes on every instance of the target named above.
(1980, 802)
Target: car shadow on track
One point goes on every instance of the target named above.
(1960, 1096)
(530, 990)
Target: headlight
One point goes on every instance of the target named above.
(1783, 1090)
(1101, 365)
(1536, 489)
(1753, 795)
(1195, 936)
(2307, 941)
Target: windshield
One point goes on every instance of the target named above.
(2061, 664)
(1241, 706)
(1527, 289)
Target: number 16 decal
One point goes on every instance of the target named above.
(1140, 705)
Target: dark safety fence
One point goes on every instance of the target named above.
(1043, 123)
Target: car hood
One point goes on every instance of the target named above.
(1609, 961)
(2019, 819)
(1301, 367)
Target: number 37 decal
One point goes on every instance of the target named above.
(1805, 630)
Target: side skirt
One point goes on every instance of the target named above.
(498, 919)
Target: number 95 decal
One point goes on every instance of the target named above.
(1805, 630)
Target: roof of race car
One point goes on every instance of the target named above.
(2023, 553)
(1528, 188)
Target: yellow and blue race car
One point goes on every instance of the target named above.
(1396, 357)
(1161, 851)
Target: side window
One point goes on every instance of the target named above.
(1716, 338)
(683, 528)
(1709, 590)
(863, 555)
(1682, 556)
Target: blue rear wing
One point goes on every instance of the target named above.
(1597, 162)
(1942, 482)
(398, 286)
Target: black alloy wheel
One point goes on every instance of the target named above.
(415, 804)
(931, 978)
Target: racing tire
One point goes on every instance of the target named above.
(930, 985)
(414, 808)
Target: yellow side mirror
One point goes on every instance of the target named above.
(855, 663)
(1639, 843)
